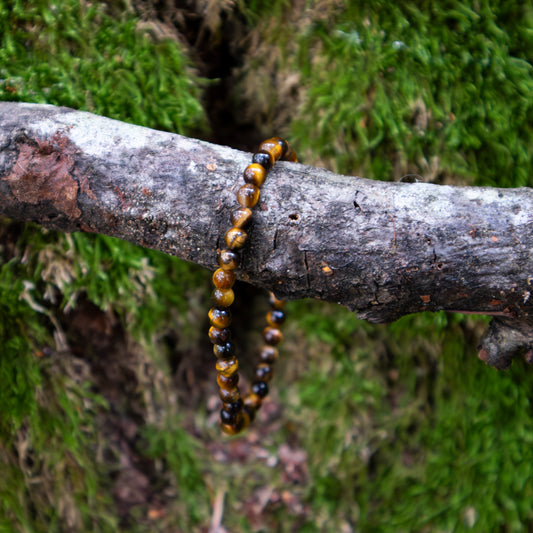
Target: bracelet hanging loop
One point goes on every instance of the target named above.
(238, 411)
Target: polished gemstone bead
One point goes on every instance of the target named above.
(219, 336)
(223, 297)
(268, 354)
(272, 336)
(227, 382)
(227, 367)
(283, 144)
(275, 318)
(219, 318)
(228, 259)
(223, 351)
(253, 401)
(228, 418)
(260, 388)
(272, 147)
(264, 159)
(235, 406)
(223, 279)
(235, 238)
(241, 217)
(263, 372)
(290, 155)
(248, 195)
(275, 303)
(255, 174)
(229, 395)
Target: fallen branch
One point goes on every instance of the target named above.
(383, 249)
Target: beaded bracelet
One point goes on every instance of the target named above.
(237, 412)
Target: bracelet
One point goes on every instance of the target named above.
(237, 412)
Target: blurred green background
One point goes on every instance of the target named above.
(108, 418)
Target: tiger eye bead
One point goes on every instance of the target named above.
(272, 147)
(260, 388)
(219, 336)
(263, 372)
(241, 218)
(248, 195)
(243, 420)
(227, 382)
(283, 144)
(223, 279)
(290, 155)
(223, 351)
(235, 238)
(223, 297)
(253, 401)
(272, 336)
(264, 159)
(235, 406)
(219, 318)
(268, 354)
(228, 260)
(275, 318)
(228, 418)
(275, 303)
(227, 367)
(255, 174)
(229, 395)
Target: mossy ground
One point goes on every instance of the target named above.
(109, 410)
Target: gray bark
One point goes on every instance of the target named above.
(383, 249)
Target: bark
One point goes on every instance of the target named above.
(383, 249)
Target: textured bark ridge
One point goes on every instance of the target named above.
(382, 249)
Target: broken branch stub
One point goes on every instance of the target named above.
(382, 249)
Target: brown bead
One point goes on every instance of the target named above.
(248, 195)
(235, 238)
(228, 259)
(241, 424)
(223, 351)
(275, 318)
(264, 159)
(263, 372)
(223, 279)
(275, 303)
(272, 336)
(283, 144)
(223, 297)
(253, 400)
(220, 318)
(227, 367)
(229, 395)
(241, 217)
(219, 336)
(272, 147)
(268, 354)
(227, 382)
(290, 155)
(255, 174)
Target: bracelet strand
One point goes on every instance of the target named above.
(238, 411)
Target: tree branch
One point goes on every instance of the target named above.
(383, 249)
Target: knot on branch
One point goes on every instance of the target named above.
(505, 339)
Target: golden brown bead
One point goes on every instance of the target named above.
(272, 147)
(248, 195)
(255, 174)
(253, 401)
(235, 238)
(260, 388)
(223, 297)
(283, 144)
(268, 354)
(263, 372)
(241, 424)
(290, 155)
(241, 218)
(223, 279)
(219, 336)
(228, 259)
(227, 382)
(272, 336)
(275, 318)
(229, 395)
(275, 303)
(220, 318)
(227, 367)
